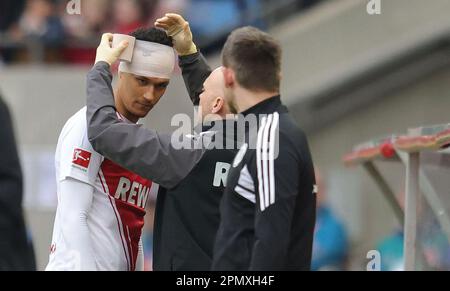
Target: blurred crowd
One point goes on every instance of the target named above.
(68, 31)
(72, 37)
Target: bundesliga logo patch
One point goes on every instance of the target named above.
(81, 158)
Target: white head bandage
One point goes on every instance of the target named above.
(150, 60)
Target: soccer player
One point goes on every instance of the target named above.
(268, 208)
(183, 238)
(101, 205)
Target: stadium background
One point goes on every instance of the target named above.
(348, 77)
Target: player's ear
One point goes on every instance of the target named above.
(229, 77)
(217, 105)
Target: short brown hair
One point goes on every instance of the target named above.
(255, 57)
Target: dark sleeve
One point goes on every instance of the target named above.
(195, 71)
(141, 150)
(275, 203)
(13, 242)
(10, 172)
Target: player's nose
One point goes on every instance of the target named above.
(149, 95)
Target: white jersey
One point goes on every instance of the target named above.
(116, 217)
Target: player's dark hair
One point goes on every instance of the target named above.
(255, 57)
(152, 35)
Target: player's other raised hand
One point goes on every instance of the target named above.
(178, 28)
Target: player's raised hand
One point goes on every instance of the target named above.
(178, 28)
(108, 54)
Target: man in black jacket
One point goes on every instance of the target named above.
(16, 252)
(268, 208)
(187, 216)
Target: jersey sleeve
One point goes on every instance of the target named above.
(77, 159)
(74, 204)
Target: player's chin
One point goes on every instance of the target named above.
(142, 111)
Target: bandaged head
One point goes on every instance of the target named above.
(150, 59)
